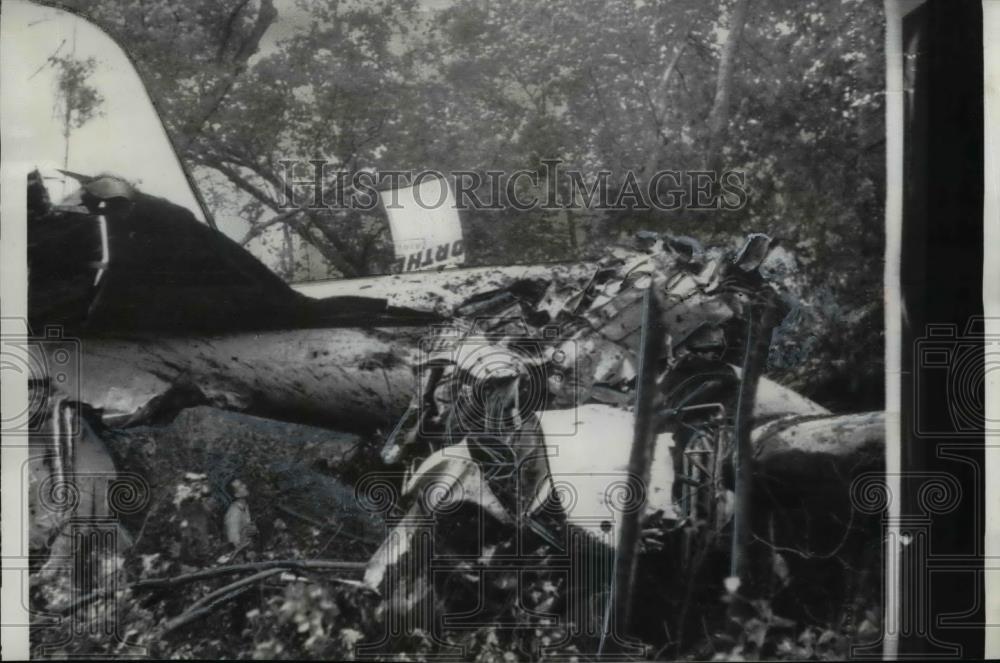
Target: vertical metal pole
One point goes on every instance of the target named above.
(640, 459)
(758, 341)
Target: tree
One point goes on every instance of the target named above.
(719, 115)
(234, 113)
(787, 93)
(77, 101)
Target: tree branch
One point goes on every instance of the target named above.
(337, 255)
(220, 90)
(258, 229)
(236, 178)
(204, 574)
(274, 564)
(205, 604)
(659, 103)
(333, 249)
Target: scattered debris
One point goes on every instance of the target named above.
(510, 397)
(240, 529)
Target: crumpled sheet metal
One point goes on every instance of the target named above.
(693, 296)
(592, 500)
(584, 361)
(580, 331)
(440, 483)
(583, 327)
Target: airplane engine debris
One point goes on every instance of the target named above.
(510, 389)
(564, 352)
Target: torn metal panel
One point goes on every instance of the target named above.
(442, 482)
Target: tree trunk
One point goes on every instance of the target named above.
(660, 100)
(356, 378)
(345, 379)
(819, 451)
(718, 117)
(348, 379)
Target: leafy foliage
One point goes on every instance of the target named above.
(622, 86)
(819, 597)
(619, 85)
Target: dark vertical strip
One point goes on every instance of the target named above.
(640, 459)
(941, 280)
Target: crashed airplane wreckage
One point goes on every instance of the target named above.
(511, 388)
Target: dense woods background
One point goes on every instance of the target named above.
(788, 92)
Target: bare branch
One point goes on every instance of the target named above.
(220, 90)
(216, 598)
(258, 229)
(274, 564)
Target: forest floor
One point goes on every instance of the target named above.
(817, 602)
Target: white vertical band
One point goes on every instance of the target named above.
(894, 11)
(991, 309)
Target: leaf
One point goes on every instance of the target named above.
(779, 566)
(755, 631)
(867, 628)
